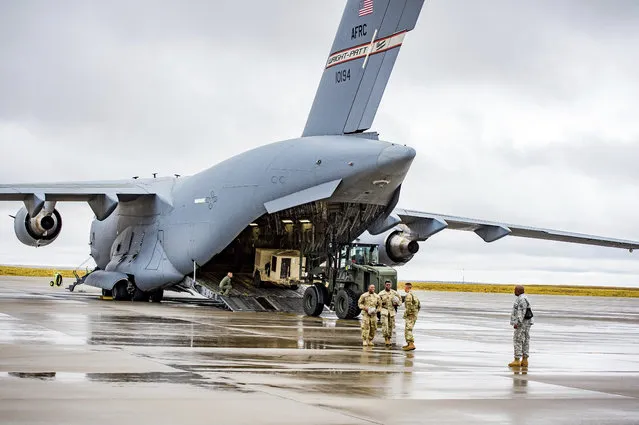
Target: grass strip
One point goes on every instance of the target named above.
(35, 271)
(587, 291)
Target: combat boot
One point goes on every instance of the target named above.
(515, 363)
(409, 347)
(524, 361)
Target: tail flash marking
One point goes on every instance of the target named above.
(367, 49)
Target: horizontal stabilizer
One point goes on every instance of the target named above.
(359, 65)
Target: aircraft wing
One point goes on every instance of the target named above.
(422, 225)
(102, 196)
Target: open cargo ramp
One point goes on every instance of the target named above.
(246, 297)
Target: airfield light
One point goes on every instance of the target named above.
(287, 221)
(253, 224)
(305, 221)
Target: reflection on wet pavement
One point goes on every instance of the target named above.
(180, 352)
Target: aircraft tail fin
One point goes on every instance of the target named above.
(361, 60)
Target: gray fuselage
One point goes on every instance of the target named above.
(156, 239)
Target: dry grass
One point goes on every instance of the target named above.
(590, 291)
(34, 271)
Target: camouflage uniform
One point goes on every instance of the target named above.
(388, 311)
(225, 285)
(412, 306)
(369, 321)
(521, 335)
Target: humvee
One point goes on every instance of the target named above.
(345, 278)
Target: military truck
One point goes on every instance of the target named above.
(277, 266)
(344, 278)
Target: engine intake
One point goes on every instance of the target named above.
(40, 230)
(399, 248)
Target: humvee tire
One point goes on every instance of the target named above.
(346, 304)
(311, 301)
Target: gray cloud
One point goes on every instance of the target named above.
(520, 112)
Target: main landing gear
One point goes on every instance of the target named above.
(127, 291)
(121, 291)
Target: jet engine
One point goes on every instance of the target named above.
(40, 230)
(398, 248)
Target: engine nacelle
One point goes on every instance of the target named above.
(40, 230)
(399, 248)
(395, 246)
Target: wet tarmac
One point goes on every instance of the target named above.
(72, 358)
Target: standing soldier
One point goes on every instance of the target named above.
(412, 306)
(369, 303)
(225, 284)
(521, 318)
(390, 300)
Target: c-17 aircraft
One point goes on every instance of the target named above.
(336, 183)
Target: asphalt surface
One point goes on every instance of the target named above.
(71, 358)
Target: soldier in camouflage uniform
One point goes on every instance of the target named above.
(412, 306)
(369, 303)
(390, 300)
(225, 284)
(521, 335)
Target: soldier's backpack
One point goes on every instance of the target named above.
(529, 314)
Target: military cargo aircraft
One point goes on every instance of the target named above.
(335, 184)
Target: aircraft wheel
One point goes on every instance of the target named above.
(107, 293)
(257, 280)
(157, 295)
(58, 280)
(346, 304)
(141, 296)
(51, 283)
(120, 292)
(311, 302)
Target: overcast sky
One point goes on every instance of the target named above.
(524, 112)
